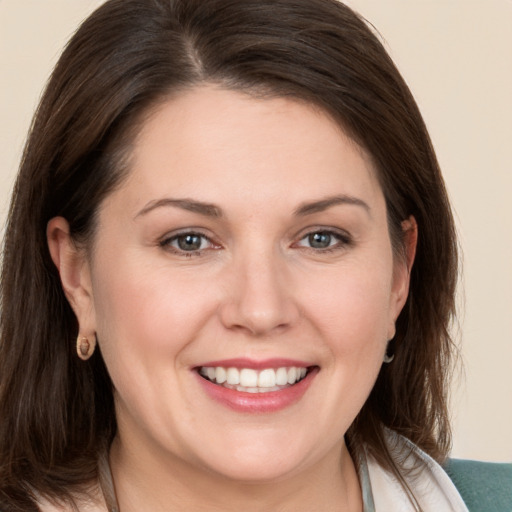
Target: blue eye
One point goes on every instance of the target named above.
(322, 240)
(187, 242)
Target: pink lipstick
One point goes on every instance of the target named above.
(252, 386)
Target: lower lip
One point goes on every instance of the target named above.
(272, 401)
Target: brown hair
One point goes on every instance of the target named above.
(57, 412)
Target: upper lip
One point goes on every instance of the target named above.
(254, 364)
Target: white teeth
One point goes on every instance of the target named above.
(292, 375)
(220, 375)
(267, 379)
(211, 373)
(282, 376)
(248, 390)
(248, 378)
(233, 376)
(254, 381)
(275, 388)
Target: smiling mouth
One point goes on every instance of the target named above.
(249, 380)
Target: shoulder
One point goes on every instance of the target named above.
(484, 486)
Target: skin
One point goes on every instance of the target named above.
(256, 289)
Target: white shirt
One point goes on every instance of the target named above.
(430, 485)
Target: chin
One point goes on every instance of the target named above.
(261, 459)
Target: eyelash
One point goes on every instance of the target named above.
(342, 240)
(167, 242)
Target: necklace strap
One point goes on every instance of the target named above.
(107, 483)
(364, 478)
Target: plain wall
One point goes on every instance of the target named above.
(456, 56)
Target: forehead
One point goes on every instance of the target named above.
(209, 140)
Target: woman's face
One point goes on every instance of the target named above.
(249, 243)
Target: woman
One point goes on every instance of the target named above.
(234, 260)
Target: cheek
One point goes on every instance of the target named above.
(146, 318)
(351, 305)
(349, 310)
(149, 309)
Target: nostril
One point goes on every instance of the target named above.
(257, 322)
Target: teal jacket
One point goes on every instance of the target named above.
(484, 486)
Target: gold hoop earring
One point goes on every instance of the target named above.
(85, 346)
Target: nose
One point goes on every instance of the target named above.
(260, 298)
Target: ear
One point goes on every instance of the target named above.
(402, 271)
(74, 271)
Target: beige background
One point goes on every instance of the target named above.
(457, 57)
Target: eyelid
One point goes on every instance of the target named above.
(344, 237)
(166, 240)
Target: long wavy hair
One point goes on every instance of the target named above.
(57, 412)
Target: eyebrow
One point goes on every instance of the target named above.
(206, 209)
(211, 210)
(329, 202)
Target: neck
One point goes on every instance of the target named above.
(150, 482)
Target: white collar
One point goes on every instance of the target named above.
(430, 485)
